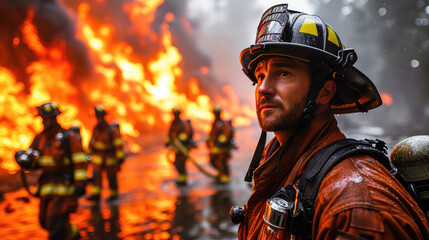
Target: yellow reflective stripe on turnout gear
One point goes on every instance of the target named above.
(73, 231)
(79, 157)
(56, 189)
(118, 142)
(97, 159)
(183, 136)
(113, 192)
(95, 190)
(100, 146)
(222, 138)
(309, 27)
(80, 175)
(46, 161)
(111, 161)
(182, 177)
(120, 154)
(218, 150)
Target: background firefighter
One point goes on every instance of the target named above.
(180, 130)
(59, 153)
(220, 142)
(107, 153)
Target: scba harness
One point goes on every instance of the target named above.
(292, 208)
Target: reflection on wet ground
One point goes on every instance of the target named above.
(150, 206)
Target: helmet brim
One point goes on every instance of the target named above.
(355, 91)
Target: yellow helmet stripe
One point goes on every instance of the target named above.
(309, 27)
(332, 37)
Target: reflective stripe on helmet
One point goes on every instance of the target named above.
(287, 33)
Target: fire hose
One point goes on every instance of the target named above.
(185, 151)
(25, 183)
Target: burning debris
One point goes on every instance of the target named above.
(137, 58)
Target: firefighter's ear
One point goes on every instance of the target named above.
(326, 93)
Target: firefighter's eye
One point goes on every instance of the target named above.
(284, 74)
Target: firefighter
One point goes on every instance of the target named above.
(107, 153)
(220, 143)
(180, 141)
(60, 156)
(304, 76)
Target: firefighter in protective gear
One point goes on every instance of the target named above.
(304, 75)
(220, 142)
(180, 132)
(60, 156)
(107, 153)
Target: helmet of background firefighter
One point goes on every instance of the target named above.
(99, 110)
(287, 33)
(48, 110)
(411, 159)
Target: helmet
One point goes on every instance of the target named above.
(411, 157)
(99, 110)
(176, 110)
(48, 110)
(288, 33)
(217, 109)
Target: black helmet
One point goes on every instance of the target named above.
(99, 110)
(217, 109)
(288, 33)
(176, 110)
(48, 110)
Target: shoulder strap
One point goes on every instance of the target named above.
(110, 132)
(65, 143)
(323, 162)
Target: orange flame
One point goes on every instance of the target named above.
(138, 92)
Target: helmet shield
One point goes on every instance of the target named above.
(286, 33)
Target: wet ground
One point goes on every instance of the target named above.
(151, 205)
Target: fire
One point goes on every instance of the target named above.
(137, 87)
(386, 98)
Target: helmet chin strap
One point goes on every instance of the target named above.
(308, 114)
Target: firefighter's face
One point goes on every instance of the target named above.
(283, 85)
(100, 117)
(49, 122)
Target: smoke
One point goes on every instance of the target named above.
(53, 25)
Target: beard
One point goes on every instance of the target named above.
(279, 119)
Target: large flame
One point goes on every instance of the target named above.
(138, 91)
